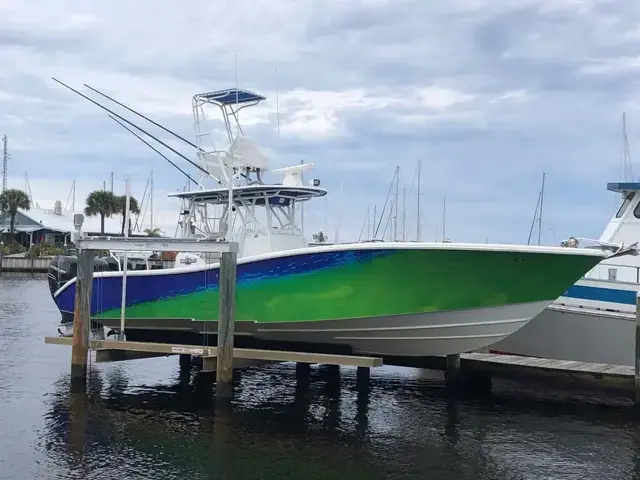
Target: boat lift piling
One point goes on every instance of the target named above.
(82, 312)
(82, 316)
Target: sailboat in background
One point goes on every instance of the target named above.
(595, 319)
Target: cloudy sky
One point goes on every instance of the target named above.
(489, 94)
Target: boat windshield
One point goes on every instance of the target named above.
(625, 204)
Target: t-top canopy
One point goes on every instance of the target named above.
(231, 96)
(274, 194)
(621, 187)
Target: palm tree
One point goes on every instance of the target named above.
(153, 232)
(121, 205)
(10, 201)
(319, 237)
(103, 203)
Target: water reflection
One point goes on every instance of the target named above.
(154, 419)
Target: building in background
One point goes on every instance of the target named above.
(53, 226)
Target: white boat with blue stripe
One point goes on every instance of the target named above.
(594, 321)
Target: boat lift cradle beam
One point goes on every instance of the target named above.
(192, 245)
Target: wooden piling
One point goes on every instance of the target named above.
(226, 320)
(453, 369)
(82, 317)
(636, 378)
(362, 376)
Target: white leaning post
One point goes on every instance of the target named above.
(636, 378)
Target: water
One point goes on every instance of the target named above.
(145, 419)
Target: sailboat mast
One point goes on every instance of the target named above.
(404, 214)
(373, 225)
(541, 205)
(418, 212)
(336, 236)
(444, 218)
(302, 203)
(395, 203)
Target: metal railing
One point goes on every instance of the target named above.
(633, 270)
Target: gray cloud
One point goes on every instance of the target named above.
(488, 94)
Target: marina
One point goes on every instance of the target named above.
(294, 241)
(245, 233)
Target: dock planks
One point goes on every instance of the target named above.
(602, 375)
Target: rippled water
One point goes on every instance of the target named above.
(146, 419)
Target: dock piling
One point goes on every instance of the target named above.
(636, 378)
(453, 369)
(82, 317)
(227, 293)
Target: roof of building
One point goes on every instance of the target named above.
(63, 221)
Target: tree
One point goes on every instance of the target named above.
(153, 232)
(320, 237)
(121, 208)
(10, 201)
(103, 203)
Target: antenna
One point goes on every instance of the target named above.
(277, 104)
(5, 161)
(237, 114)
(626, 155)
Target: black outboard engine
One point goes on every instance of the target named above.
(64, 268)
(61, 269)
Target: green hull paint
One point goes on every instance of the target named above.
(408, 281)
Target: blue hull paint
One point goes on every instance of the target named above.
(107, 291)
(599, 294)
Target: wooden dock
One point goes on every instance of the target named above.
(620, 378)
(515, 366)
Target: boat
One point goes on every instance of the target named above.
(384, 298)
(594, 320)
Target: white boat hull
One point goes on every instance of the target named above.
(437, 333)
(573, 333)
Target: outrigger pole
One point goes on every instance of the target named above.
(145, 117)
(139, 128)
(153, 148)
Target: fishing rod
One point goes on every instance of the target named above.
(143, 116)
(153, 148)
(139, 128)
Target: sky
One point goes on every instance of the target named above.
(487, 94)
